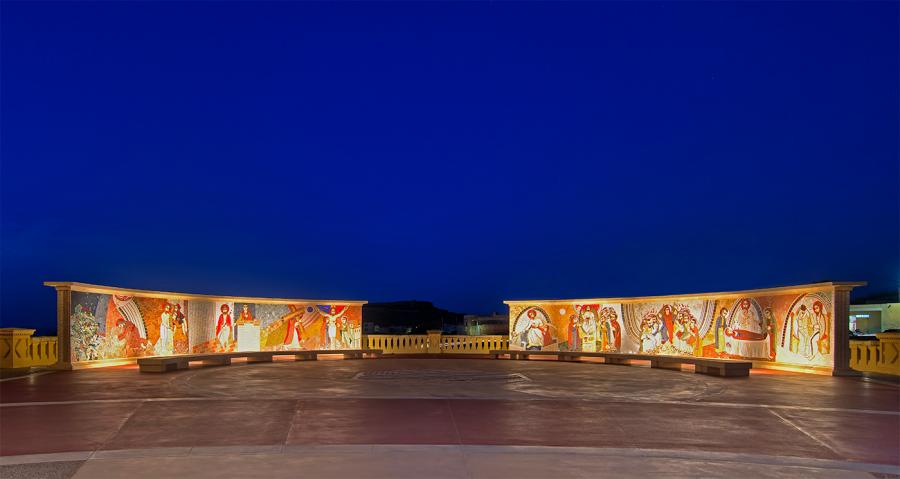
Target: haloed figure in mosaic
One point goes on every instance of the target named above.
(588, 328)
(295, 333)
(574, 333)
(332, 317)
(224, 327)
(679, 335)
(823, 320)
(246, 316)
(809, 330)
(652, 333)
(537, 333)
(611, 337)
(746, 335)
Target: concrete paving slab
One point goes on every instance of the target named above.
(299, 413)
(416, 461)
(43, 470)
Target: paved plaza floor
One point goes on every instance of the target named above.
(445, 418)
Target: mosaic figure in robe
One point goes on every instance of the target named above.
(246, 316)
(349, 334)
(538, 332)
(823, 320)
(179, 325)
(745, 325)
(804, 332)
(667, 320)
(651, 334)
(719, 328)
(332, 329)
(679, 337)
(746, 334)
(224, 327)
(574, 334)
(166, 342)
(694, 340)
(603, 334)
(295, 333)
(588, 323)
(614, 341)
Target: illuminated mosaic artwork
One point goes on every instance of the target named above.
(791, 328)
(112, 326)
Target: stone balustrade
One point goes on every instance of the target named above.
(398, 344)
(20, 349)
(435, 343)
(473, 344)
(881, 356)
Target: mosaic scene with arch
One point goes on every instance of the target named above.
(121, 326)
(792, 329)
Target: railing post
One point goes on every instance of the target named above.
(15, 348)
(889, 347)
(434, 342)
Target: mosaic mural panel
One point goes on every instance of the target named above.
(110, 326)
(794, 329)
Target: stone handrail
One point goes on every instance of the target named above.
(396, 343)
(19, 349)
(881, 357)
(435, 343)
(473, 344)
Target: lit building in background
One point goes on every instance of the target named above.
(876, 314)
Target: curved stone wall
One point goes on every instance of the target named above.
(102, 323)
(803, 326)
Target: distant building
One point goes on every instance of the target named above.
(495, 324)
(876, 314)
(409, 317)
(874, 318)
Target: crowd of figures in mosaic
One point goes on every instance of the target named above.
(786, 328)
(110, 326)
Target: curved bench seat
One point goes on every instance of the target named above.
(711, 366)
(161, 364)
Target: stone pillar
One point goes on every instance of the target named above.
(434, 342)
(15, 348)
(840, 333)
(63, 327)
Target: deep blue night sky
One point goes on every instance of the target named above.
(460, 153)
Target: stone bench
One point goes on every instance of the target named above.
(161, 364)
(711, 366)
(347, 353)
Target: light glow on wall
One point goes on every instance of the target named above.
(791, 326)
(122, 324)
